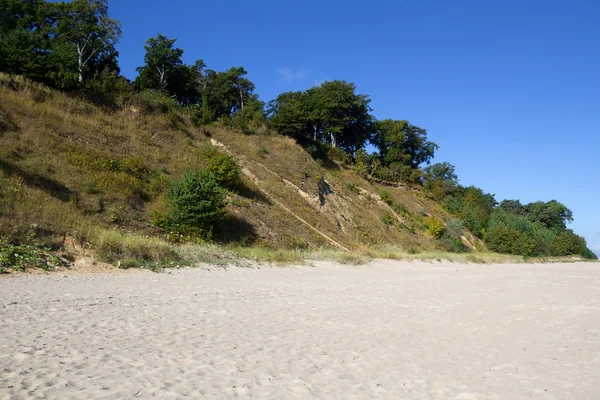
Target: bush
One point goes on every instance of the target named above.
(107, 89)
(223, 167)
(510, 241)
(567, 243)
(435, 226)
(339, 155)
(397, 172)
(153, 103)
(451, 238)
(197, 204)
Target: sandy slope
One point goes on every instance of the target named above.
(390, 330)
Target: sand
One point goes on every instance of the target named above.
(389, 330)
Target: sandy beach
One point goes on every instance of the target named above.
(389, 330)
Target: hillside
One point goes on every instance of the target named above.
(71, 169)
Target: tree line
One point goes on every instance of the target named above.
(72, 46)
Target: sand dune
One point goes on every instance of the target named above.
(389, 330)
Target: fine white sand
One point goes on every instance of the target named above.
(389, 330)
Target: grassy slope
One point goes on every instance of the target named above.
(70, 168)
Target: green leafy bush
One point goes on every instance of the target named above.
(567, 243)
(451, 236)
(224, 168)
(507, 240)
(435, 226)
(197, 203)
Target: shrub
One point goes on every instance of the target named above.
(567, 243)
(197, 204)
(224, 168)
(435, 226)
(510, 241)
(451, 236)
(339, 155)
(153, 102)
(107, 89)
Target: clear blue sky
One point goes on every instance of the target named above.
(510, 90)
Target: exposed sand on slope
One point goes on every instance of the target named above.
(389, 330)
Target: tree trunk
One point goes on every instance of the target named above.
(315, 132)
(241, 98)
(80, 63)
(333, 142)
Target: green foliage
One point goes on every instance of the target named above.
(398, 172)
(25, 256)
(450, 238)
(440, 180)
(367, 165)
(507, 240)
(567, 243)
(387, 219)
(100, 161)
(385, 196)
(107, 89)
(61, 44)
(224, 168)
(197, 204)
(331, 112)
(401, 143)
(472, 206)
(435, 226)
(352, 187)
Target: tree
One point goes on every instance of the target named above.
(332, 113)
(86, 26)
(553, 214)
(58, 43)
(163, 68)
(440, 180)
(399, 142)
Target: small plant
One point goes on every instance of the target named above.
(262, 151)
(385, 196)
(25, 256)
(91, 188)
(299, 243)
(352, 187)
(400, 209)
(387, 219)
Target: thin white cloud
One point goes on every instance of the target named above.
(293, 75)
(595, 247)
